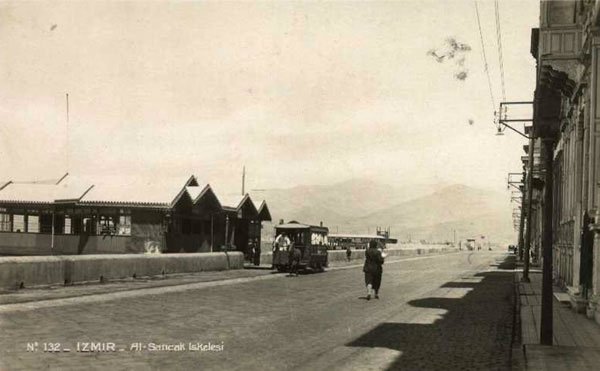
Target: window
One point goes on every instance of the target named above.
(67, 229)
(124, 225)
(33, 223)
(76, 224)
(18, 223)
(46, 223)
(4, 222)
(88, 225)
(106, 225)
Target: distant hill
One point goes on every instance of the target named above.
(430, 212)
(337, 203)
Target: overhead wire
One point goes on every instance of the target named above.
(485, 63)
(500, 56)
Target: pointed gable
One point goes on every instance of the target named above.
(264, 214)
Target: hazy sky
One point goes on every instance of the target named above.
(300, 93)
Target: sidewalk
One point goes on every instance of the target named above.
(576, 338)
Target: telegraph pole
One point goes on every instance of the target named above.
(67, 134)
(528, 205)
(546, 320)
(243, 180)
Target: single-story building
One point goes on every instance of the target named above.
(83, 215)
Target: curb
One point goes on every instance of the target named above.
(518, 356)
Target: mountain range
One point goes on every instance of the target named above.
(431, 212)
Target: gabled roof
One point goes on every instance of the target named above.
(199, 193)
(263, 211)
(194, 192)
(137, 191)
(105, 190)
(72, 189)
(4, 184)
(28, 193)
(39, 193)
(239, 203)
(233, 202)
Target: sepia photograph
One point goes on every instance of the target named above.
(300, 185)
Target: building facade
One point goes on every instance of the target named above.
(78, 215)
(566, 128)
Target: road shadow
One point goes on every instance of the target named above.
(470, 330)
(258, 268)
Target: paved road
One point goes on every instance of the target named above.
(448, 312)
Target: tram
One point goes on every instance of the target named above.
(354, 241)
(309, 239)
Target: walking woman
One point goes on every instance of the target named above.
(373, 270)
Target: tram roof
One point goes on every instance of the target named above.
(296, 225)
(370, 236)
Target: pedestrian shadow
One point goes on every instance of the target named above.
(470, 331)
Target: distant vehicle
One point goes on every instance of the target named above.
(354, 241)
(310, 239)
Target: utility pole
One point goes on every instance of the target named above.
(525, 277)
(546, 332)
(243, 180)
(522, 223)
(67, 134)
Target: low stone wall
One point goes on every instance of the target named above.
(338, 257)
(18, 272)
